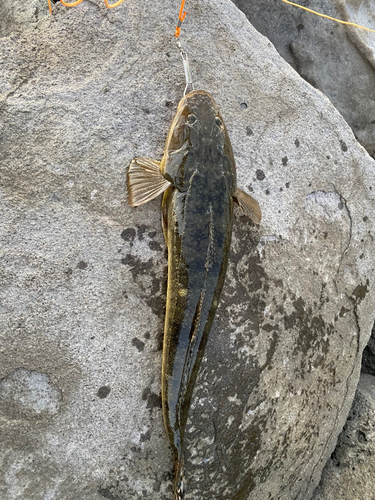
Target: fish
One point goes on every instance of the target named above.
(197, 176)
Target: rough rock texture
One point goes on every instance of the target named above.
(28, 395)
(83, 275)
(349, 474)
(338, 60)
(21, 16)
(368, 357)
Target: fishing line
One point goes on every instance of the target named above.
(328, 17)
(183, 54)
(181, 17)
(182, 14)
(73, 4)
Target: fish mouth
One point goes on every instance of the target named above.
(198, 91)
(195, 93)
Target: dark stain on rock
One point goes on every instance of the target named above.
(251, 278)
(249, 131)
(154, 245)
(343, 311)
(128, 234)
(141, 231)
(103, 391)
(158, 292)
(137, 266)
(106, 493)
(344, 147)
(260, 175)
(360, 292)
(145, 393)
(285, 161)
(157, 302)
(340, 205)
(82, 265)
(365, 218)
(246, 483)
(138, 344)
(287, 184)
(296, 142)
(311, 331)
(153, 400)
(146, 436)
(155, 294)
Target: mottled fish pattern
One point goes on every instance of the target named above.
(198, 177)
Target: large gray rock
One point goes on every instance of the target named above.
(349, 474)
(83, 275)
(338, 60)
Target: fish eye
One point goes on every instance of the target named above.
(218, 121)
(192, 118)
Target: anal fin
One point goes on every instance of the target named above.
(145, 181)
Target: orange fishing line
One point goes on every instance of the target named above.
(113, 5)
(328, 17)
(73, 4)
(181, 17)
(182, 14)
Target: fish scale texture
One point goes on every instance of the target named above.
(83, 275)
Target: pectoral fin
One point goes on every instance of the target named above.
(248, 205)
(145, 181)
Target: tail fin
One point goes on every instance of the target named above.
(179, 484)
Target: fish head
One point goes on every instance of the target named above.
(198, 119)
(197, 127)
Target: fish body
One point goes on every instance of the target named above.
(198, 176)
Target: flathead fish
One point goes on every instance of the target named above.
(197, 175)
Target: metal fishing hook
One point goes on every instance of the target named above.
(183, 54)
(186, 65)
